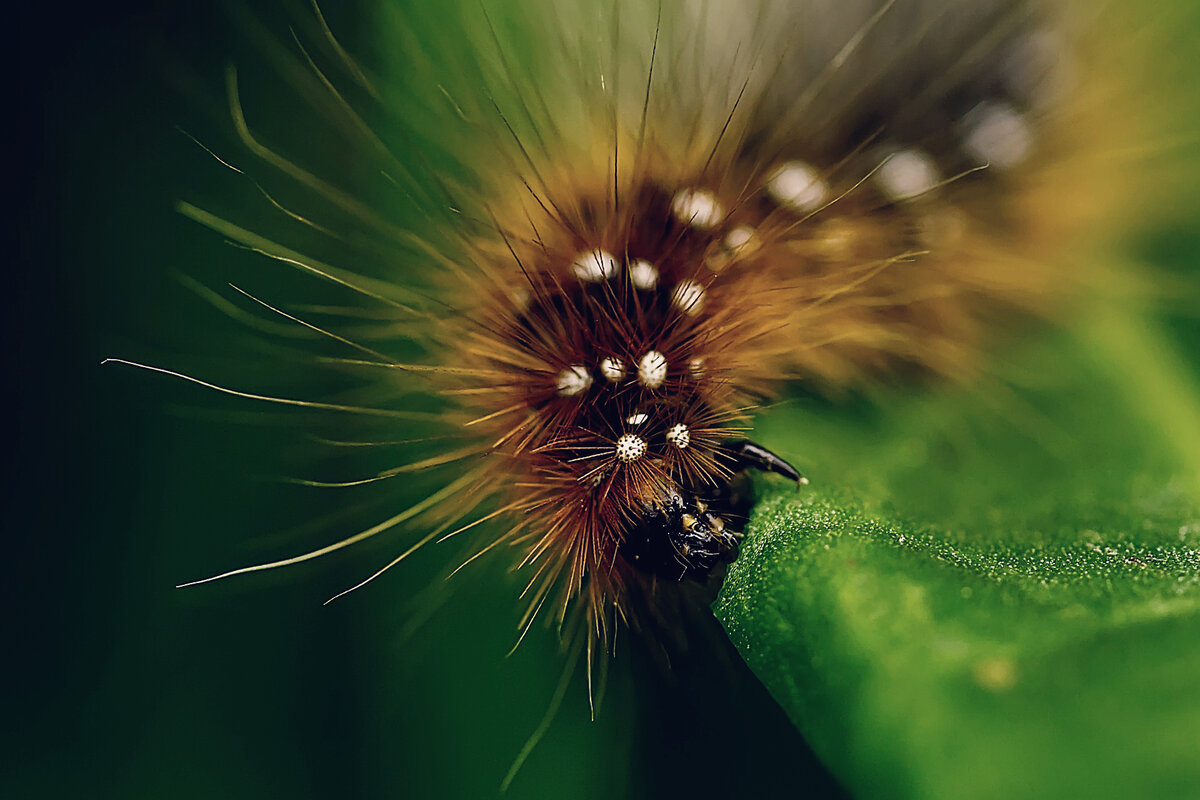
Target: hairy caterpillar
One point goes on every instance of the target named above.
(693, 205)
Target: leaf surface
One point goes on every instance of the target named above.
(990, 592)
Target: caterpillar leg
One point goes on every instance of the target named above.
(748, 455)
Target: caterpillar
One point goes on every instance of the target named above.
(630, 230)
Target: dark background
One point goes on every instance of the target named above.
(122, 484)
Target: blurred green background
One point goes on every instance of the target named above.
(123, 484)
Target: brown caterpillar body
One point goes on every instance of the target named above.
(792, 193)
(626, 331)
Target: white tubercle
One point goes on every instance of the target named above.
(698, 208)
(643, 274)
(638, 418)
(520, 298)
(630, 447)
(797, 185)
(906, 174)
(652, 370)
(680, 436)
(696, 367)
(595, 266)
(997, 134)
(688, 297)
(574, 380)
(739, 239)
(612, 369)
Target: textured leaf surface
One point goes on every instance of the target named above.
(990, 593)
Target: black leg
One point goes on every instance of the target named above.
(747, 454)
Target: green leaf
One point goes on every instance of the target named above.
(991, 592)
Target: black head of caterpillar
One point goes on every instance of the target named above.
(682, 533)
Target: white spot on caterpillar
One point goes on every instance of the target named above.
(738, 243)
(652, 370)
(688, 297)
(739, 239)
(595, 266)
(906, 174)
(696, 367)
(520, 298)
(797, 186)
(630, 447)
(638, 418)
(698, 208)
(680, 436)
(643, 274)
(612, 368)
(997, 134)
(574, 380)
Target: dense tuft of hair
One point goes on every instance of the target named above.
(658, 231)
